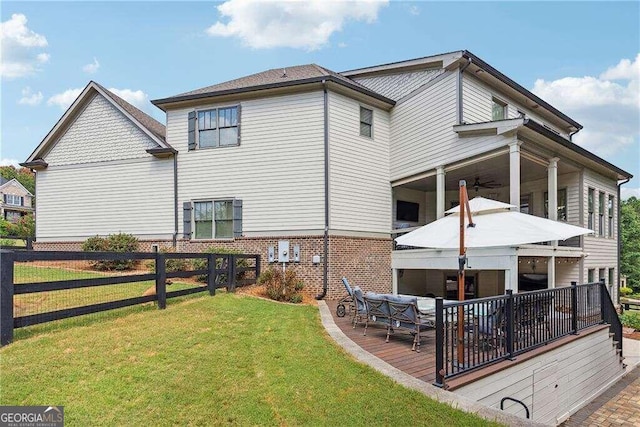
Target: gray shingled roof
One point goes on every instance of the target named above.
(273, 78)
(154, 126)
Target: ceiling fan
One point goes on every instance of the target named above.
(477, 184)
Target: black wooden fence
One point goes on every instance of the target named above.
(219, 270)
(505, 326)
(16, 243)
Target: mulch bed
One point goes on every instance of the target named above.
(631, 333)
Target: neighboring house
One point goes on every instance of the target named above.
(16, 201)
(339, 164)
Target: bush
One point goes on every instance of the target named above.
(281, 286)
(113, 243)
(625, 291)
(201, 263)
(630, 319)
(174, 264)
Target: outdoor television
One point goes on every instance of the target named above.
(407, 211)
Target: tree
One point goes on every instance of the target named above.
(23, 175)
(630, 237)
(24, 227)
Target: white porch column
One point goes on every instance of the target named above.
(440, 190)
(511, 275)
(394, 281)
(552, 191)
(551, 272)
(514, 173)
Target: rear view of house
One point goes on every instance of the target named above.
(16, 201)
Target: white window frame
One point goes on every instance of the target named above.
(217, 129)
(213, 219)
(503, 104)
(10, 198)
(360, 122)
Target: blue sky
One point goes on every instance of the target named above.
(571, 53)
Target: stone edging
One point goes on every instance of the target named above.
(435, 393)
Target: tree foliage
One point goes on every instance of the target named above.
(630, 235)
(23, 175)
(24, 227)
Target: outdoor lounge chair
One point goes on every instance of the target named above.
(377, 311)
(404, 314)
(359, 311)
(341, 309)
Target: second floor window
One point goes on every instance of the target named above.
(592, 195)
(12, 199)
(218, 127)
(562, 204)
(366, 122)
(498, 110)
(601, 214)
(213, 219)
(610, 211)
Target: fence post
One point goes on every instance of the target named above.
(439, 342)
(211, 274)
(231, 266)
(29, 243)
(257, 267)
(603, 294)
(574, 308)
(161, 280)
(6, 298)
(509, 324)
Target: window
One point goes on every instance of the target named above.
(590, 204)
(218, 127)
(12, 216)
(12, 199)
(407, 211)
(590, 274)
(601, 274)
(498, 110)
(562, 204)
(601, 214)
(525, 204)
(366, 122)
(611, 279)
(213, 219)
(610, 212)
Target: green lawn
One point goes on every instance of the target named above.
(26, 304)
(223, 360)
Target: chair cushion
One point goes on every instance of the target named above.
(403, 300)
(359, 298)
(347, 286)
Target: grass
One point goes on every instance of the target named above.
(223, 360)
(26, 304)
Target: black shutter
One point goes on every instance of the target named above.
(186, 220)
(237, 218)
(192, 130)
(21, 201)
(239, 125)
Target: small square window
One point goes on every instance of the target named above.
(498, 110)
(366, 122)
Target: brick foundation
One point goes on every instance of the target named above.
(366, 262)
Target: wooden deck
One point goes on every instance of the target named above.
(397, 352)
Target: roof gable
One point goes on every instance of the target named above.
(149, 126)
(14, 182)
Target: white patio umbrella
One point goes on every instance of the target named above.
(495, 226)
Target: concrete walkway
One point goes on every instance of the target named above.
(620, 405)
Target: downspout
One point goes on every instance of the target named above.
(573, 133)
(325, 266)
(619, 228)
(175, 200)
(464, 67)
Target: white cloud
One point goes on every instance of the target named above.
(414, 10)
(608, 106)
(625, 193)
(9, 162)
(92, 67)
(64, 99)
(20, 46)
(342, 45)
(297, 24)
(136, 98)
(30, 98)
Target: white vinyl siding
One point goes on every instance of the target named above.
(477, 99)
(75, 203)
(100, 133)
(396, 86)
(580, 371)
(277, 171)
(360, 194)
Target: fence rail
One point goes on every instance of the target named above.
(215, 270)
(9, 242)
(503, 327)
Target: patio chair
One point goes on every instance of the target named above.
(341, 309)
(359, 311)
(404, 314)
(491, 328)
(377, 311)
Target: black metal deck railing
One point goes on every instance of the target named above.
(502, 327)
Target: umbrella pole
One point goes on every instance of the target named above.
(464, 203)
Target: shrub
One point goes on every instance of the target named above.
(7, 242)
(201, 263)
(174, 264)
(625, 291)
(113, 243)
(630, 319)
(281, 286)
